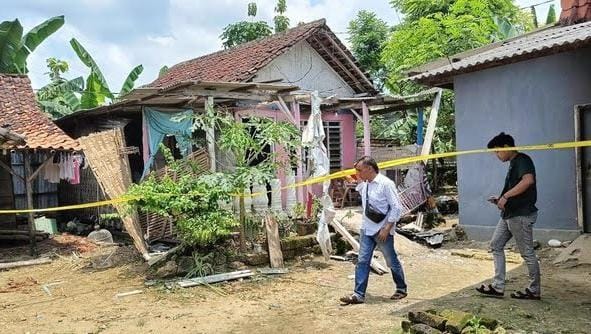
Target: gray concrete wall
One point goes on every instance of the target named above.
(533, 101)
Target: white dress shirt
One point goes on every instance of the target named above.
(382, 196)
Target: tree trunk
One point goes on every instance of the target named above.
(242, 223)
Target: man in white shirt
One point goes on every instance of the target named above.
(381, 210)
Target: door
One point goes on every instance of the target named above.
(583, 165)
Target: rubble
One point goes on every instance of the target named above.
(449, 321)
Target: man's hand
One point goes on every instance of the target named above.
(502, 202)
(384, 232)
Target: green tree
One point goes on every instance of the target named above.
(15, 47)
(551, 18)
(281, 21)
(441, 28)
(246, 143)
(534, 16)
(60, 97)
(97, 90)
(245, 31)
(367, 35)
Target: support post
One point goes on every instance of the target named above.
(420, 125)
(431, 125)
(29, 192)
(366, 130)
(210, 137)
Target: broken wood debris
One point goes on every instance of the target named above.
(375, 266)
(187, 283)
(45, 287)
(273, 271)
(130, 293)
(484, 255)
(10, 265)
(274, 243)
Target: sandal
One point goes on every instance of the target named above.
(527, 295)
(489, 291)
(399, 295)
(352, 299)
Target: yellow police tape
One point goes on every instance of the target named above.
(339, 174)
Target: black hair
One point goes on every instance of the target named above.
(501, 140)
(368, 161)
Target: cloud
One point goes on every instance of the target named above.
(121, 34)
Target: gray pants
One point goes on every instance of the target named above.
(521, 229)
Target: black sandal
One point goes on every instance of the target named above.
(489, 291)
(399, 295)
(527, 295)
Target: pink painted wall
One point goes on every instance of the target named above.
(348, 139)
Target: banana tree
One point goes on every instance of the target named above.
(97, 90)
(16, 48)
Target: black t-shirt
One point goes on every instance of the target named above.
(523, 204)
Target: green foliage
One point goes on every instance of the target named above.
(551, 17)
(61, 96)
(15, 48)
(245, 31)
(97, 91)
(534, 16)
(367, 35)
(281, 21)
(475, 326)
(201, 265)
(192, 202)
(163, 71)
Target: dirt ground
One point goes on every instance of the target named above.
(303, 301)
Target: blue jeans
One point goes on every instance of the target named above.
(367, 244)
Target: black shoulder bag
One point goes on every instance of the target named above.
(370, 211)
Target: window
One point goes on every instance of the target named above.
(333, 143)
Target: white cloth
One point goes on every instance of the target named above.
(384, 197)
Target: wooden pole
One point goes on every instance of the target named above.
(29, 192)
(366, 130)
(210, 137)
(300, 170)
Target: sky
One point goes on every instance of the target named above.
(121, 34)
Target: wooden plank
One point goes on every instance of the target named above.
(17, 264)
(351, 61)
(8, 169)
(378, 268)
(366, 130)
(215, 278)
(210, 137)
(189, 92)
(32, 177)
(286, 111)
(273, 271)
(431, 125)
(273, 241)
(29, 193)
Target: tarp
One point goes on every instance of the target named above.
(160, 124)
(313, 138)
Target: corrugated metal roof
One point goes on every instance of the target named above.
(535, 44)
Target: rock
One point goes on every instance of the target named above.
(405, 325)
(423, 329)
(500, 330)
(470, 330)
(456, 320)
(167, 270)
(447, 205)
(554, 243)
(489, 323)
(431, 320)
(185, 264)
(537, 244)
(236, 265)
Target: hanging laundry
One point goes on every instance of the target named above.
(76, 161)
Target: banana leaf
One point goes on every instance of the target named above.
(97, 76)
(10, 42)
(33, 38)
(130, 81)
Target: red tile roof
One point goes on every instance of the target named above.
(575, 11)
(240, 63)
(20, 114)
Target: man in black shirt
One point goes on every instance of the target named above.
(518, 215)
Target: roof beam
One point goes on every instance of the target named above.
(338, 63)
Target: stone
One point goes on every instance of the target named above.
(236, 265)
(405, 325)
(169, 269)
(431, 320)
(489, 323)
(500, 330)
(423, 329)
(456, 320)
(185, 264)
